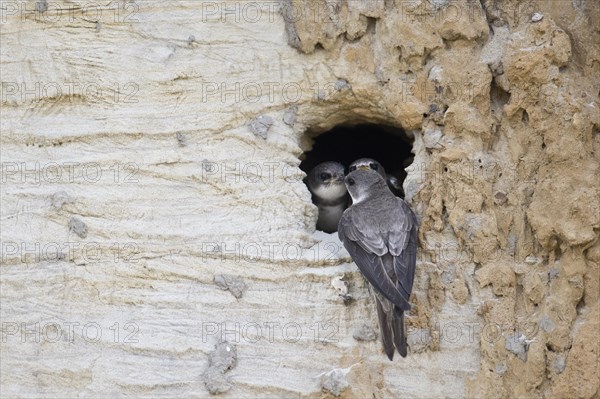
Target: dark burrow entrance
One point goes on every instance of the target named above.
(390, 146)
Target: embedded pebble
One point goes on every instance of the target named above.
(234, 284)
(78, 227)
(261, 125)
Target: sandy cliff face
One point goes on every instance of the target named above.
(152, 204)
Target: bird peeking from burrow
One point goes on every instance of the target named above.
(392, 181)
(329, 194)
(379, 231)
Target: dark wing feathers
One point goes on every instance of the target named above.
(398, 330)
(391, 327)
(368, 242)
(385, 328)
(385, 251)
(348, 230)
(356, 226)
(405, 263)
(403, 221)
(372, 268)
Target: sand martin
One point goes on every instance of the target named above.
(392, 181)
(326, 183)
(379, 231)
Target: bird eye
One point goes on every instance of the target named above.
(352, 168)
(350, 182)
(373, 166)
(325, 176)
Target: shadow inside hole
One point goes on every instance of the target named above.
(390, 146)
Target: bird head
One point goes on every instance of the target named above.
(326, 180)
(362, 183)
(367, 163)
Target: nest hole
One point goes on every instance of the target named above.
(390, 146)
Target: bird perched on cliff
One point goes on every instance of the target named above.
(392, 181)
(326, 183)
(379, 231)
